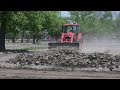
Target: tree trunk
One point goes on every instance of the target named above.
(27, 41)
(13, 39)
(22, 36)
(3, 30)
(37, 39)
(34, 37)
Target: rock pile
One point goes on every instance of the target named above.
(68, 58)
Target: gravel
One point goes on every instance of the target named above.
(67, 58)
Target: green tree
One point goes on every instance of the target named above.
(53, 23)
(93, 23)
(4, 16)
(116, 25)
(35, 20)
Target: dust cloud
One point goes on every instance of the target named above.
(106, 44)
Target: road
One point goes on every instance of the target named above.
(32, 74)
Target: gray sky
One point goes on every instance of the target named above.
(65, 14)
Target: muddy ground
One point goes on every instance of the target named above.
(112, 47)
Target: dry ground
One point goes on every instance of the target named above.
(32, 74)
(108, 47)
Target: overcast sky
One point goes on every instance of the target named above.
(65, 14)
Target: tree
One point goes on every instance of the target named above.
(12, 24)
(93, 23)
(35, 20)
(21, 22)
(53, 23)
(116, 25)
(4, 15)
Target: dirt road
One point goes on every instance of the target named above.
(31, 74)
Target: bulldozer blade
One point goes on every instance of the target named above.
(63, 45)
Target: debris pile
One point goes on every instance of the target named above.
(68, 58)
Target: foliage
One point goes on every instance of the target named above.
(96, 23)
(93, 22)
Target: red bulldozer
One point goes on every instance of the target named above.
(71, 37)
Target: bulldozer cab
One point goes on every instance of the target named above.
(71, 28)
(66, 40)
